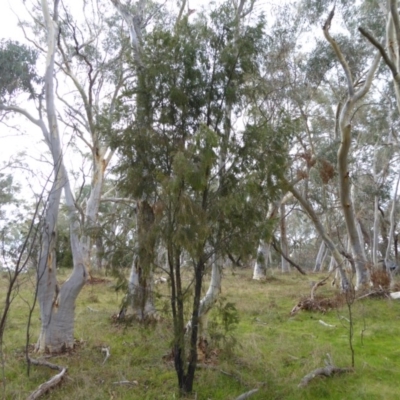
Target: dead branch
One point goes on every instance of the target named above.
(247, 394)
(51, 383)
(107, 351)
(318, 284)
(43, 363)
(279, 250)
(326, 324)
(327, 371)
(129, 383)
(375, 293)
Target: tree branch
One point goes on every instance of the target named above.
(384, 55)
(396, 23)
(338, 52)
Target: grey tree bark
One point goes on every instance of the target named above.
(353, 97)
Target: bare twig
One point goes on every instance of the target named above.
(279, 250)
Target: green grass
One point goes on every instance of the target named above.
(273, 350)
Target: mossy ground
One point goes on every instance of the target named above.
(273, 349)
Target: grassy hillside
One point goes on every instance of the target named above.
(269, 349)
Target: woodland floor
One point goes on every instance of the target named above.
(269, 348)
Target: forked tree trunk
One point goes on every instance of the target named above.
(57, 305)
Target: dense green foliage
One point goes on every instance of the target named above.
(17, 69)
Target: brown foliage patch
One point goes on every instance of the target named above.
(309, 159)
(380, 279)
(326, 170)
(300, 174)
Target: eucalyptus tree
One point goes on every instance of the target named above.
(204, 178)
(390, 55)
(91, 58)
(56, 304)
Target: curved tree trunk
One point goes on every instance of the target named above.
(57, 305)
(344, 123)
(325, 237)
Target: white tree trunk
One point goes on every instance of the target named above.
(284, 243)
(99, 163)
(325, 237)
(57, 305)
(332, 264)
(346, 114)
(261, 264)
(320, 257)
(392, 223)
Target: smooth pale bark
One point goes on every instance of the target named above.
(210, 298)
(375, 238)
(320, 257)
(332, 264)
(325, 237)
(262, 258)
(392, 223)
(375, 242)
(57, 305)
(346, 114)
(283, 238)
(134, 23)
(88, 90)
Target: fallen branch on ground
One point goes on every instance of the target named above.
(131, 383)
(325, 324)
(375, 293)
(327, 371)
(318, 284)
(51, 383)
(247, 394)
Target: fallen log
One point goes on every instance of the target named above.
(51, 383)
(327, 371)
